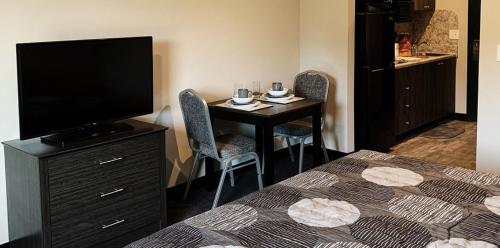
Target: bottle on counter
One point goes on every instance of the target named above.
(405, 45)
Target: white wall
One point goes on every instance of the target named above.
(327, 44)
(488, 131)
(204, 45)
(461, 8)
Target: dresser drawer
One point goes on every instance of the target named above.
(97, 159)
(101, 225)
(133, 185)
(93, 178)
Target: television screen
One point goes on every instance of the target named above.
(68, 84)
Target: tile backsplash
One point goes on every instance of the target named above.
(433, 27)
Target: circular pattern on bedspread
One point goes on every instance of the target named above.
(361, 192)
(178, 236)
(276, 196)
(228, 217)
(388, 231)
(345, 165)
(311, 179)
(389, 176)
(493, 204)
(470, 176)
(278, 234)
(319, 212)
(425, 209)
(484, 227)
(341, 245)
(453, 191)
(460, 243)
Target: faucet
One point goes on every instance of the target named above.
(415, 47)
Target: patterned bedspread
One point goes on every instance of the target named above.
(366, 199)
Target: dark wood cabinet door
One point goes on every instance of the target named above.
(424, 94)
(403, 100)
(424, 5)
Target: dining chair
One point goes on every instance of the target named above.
(225, 148)
(311, 85)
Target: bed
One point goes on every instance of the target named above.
(366, 199)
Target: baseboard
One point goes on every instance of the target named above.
(459, 117)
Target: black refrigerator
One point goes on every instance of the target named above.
(374, 81)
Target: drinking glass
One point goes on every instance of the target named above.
(256, 88)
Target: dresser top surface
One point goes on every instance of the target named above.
(36, 148)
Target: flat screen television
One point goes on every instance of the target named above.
(67, 85)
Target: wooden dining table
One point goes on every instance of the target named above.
(265, 120)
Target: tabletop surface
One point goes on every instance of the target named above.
(276, 108)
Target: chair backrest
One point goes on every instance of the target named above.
(312, 85)
(197, 120)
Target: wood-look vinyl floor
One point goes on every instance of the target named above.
(458, 151)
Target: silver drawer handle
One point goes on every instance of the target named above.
(407, 105)
(407, 123)
(117, 222)
(110, 161)
(427, 6)
(112, 192)
(441, 63)
(407, 88)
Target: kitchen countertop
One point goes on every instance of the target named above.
(413, 61)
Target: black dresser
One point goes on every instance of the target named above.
(106, 192)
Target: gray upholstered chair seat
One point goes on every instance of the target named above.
(293, 130)
(230, 145)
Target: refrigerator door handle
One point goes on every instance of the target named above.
(377, 70)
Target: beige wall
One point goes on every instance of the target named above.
(461, 8)
(327, 44)
(488, 131)
(204, 45)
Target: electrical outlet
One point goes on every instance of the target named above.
(454, 34)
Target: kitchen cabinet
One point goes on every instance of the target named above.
(424, 5)
(424, 93)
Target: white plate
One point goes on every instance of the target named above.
(247, 106)
(278, 93)
(243, 100)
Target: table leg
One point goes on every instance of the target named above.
(317, 136)
(259, 146)
(268, 143)
(211, 182)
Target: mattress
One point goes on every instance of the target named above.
(366, 199)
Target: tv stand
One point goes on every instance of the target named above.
(106, 192)
(86, 133)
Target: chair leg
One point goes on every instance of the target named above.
(290, 151)
(259, 173)
(301, 156)
(325, 152)
(231, 178)
(221, 184)
(194, 170)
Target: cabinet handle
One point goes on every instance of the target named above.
(115, 191)
(407, 106)
(427, 7)
(407, 123)
(114, 159)
(440, 63)
(407, 88)
(117, 222)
